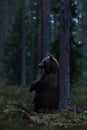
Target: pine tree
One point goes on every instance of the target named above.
(3, 39)
(44, 28)
(76, 54)
(64, 54)
(23, 45)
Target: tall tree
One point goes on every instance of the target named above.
(33, 24)
(64, 54)
(23, 47)
(44, 28)
(4, 36)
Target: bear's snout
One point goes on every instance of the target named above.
(40, 65)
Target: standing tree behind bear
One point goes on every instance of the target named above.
(46, 88)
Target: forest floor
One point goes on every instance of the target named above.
(16, 111)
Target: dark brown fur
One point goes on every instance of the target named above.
(46, 88)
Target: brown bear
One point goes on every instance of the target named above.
(47, 88)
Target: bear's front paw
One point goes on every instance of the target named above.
(31, 88)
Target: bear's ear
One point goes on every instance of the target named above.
(51, 57)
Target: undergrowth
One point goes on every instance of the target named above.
(16, 110)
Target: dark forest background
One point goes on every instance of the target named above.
(29, 31)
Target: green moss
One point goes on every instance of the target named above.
(16, 110)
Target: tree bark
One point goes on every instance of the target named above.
(64, 54)
(3, 39)
(23, 48)
(44, 29)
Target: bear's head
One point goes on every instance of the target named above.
(49, 64)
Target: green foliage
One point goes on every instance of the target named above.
(78, 96)
(13, 52)
(13, 47)
(76, 53)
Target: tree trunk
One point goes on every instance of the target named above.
(64, 54)
(3, 38)
(31, 47)
(23, 49)
(44, 29)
